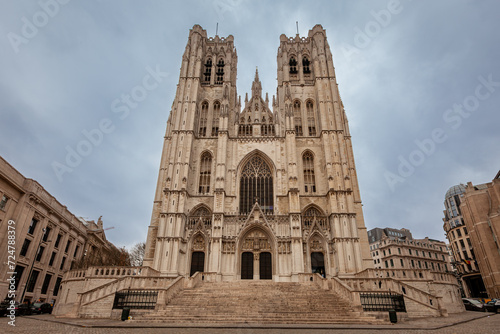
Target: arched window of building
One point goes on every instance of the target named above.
(308, 165)
(305, 65)
(208, 70)
(256, 184)
(293, 65)
(205, 172)
(220, 72)
(297, 118)
(311, 120)
(203, 215)
(215, 122)
(202, 132)
(312, 215)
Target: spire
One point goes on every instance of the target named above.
(256, 85)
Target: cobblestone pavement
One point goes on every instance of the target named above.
(467, 322)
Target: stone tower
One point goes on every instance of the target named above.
(259, 190)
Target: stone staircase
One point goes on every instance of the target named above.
(259, 302)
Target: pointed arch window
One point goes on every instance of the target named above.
(293, 65)
(309, 179)
(202, 130)
(312, 215)
(256, 184)
(208, 70)
(205, 173)
(215, 122)
(203, 215)
(297, 119)
(220, 72)
(311, 120)
(305, 65)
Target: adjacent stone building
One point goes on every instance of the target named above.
(461, 245)
(396, 249)
(260, 188)
(39, 235)
(480, 207)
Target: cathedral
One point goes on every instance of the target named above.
(257, 189)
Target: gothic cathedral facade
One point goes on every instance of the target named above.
(260, 189)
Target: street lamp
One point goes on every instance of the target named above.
(33, 263)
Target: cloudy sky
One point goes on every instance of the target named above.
(420, 81)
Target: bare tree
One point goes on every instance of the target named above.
(136, 254)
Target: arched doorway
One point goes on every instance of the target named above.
(265, 266)
(318, 263)
(197, 262)
(247, 265)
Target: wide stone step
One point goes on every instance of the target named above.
(257, 302)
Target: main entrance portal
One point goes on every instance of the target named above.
(265, 266)
(318, 263)
(247, 265)
(197, 262)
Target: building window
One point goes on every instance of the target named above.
(297, 118)
(412, 264)
(459, 233)
(309, 179)
(68, 245)
(62, 263)
(40, 253)
(220, 72)
(57, 285)
(293, 65)
(76, 250)
(399, 250)
(3, 202)
(205, 173)
(208, 70)
(32, 281)
(305, 65)
(402, 263)
(32, 227)
(46, 234)
(58, 240)
(19, 273)
(215, 122)
(202, 129)
(24, 248)
(386, 264)
(46, 283)
(52, 258)
(392, 263)
(409, 251)
(256, 185)
(311, 120)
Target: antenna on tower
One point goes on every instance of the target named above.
(217, 29)
(297, 22)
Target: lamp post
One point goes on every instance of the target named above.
(32, 264)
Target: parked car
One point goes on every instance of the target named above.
(473, 305)
(40, 308)
(3, 308)
(493, 306)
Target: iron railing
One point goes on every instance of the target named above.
(135, 299)
(380, 301)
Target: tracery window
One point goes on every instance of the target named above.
(208, 70)
(311, 121)
(297, 119)
(293, 65)
(256, 184)
(202, 215)
(220, 72)
(267, 130)
(305, 65)
(215, 122)
(309, 179)
(245, 130)
(202, 131)
(312, 215)
(205, 172)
